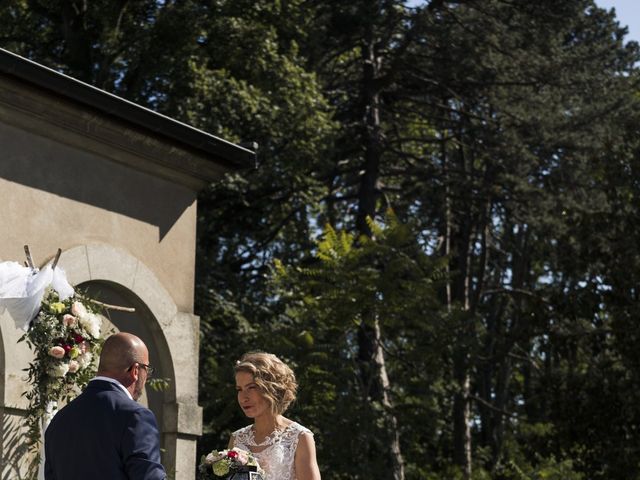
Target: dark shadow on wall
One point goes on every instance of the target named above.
(16, 461)
(85, 177)
(143, 324)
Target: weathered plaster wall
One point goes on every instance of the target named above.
(122, 209)
(54, 196)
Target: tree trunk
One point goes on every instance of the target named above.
(459, 242)
(390, 420)
(462, 416)
(370, 340)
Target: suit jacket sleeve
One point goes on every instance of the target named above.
(141, 447)
(48, 471)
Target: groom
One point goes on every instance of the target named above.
(104, 434)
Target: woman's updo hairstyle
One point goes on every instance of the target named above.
(275, 379)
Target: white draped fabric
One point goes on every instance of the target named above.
(21, 292)
(22, 289)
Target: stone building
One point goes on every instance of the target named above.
(114, 185)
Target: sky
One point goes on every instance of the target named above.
(628, 14)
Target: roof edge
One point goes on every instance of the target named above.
(231, 155)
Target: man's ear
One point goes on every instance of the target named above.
(135, 371)
(132, 375)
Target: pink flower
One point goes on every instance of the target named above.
(242, 458)
(69, 320)
(84, 347)
(211, 458)
(73, 366)
(57, 351)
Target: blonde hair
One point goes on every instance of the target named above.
(275, 379)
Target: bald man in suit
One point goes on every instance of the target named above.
(105, 434)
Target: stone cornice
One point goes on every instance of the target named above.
(48, 103)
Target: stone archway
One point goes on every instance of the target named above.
(119, 278)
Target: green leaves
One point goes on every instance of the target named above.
(334, 246)
(503, 135)
(386, 280)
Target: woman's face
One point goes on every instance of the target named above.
(250, 397)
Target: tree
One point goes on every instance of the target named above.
(513, 119)
(387, 280)
(503, 133)
(479, 119)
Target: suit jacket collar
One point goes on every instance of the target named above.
(101, 381)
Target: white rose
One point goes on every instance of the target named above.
(58, 370)
(84, 360)
(79, 310)
(91, 324)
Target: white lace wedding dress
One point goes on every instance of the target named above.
(276, 453)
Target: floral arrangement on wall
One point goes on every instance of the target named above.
(65, 339)
(60, 325)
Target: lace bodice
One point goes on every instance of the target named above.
(276, 453)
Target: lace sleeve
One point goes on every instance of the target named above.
(240, 438)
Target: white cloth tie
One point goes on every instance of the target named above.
(22, 289)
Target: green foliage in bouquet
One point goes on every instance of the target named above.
(222, 463)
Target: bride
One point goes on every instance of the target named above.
(284, 449)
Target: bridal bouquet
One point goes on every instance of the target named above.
(229, 463)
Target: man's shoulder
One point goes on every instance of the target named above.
(101, 388)
(105, 407)
(98, 384)
(99, 393)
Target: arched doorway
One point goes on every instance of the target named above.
(116, 277)
(142, 323)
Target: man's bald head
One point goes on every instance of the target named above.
(119, 352)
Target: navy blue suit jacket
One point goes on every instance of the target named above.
(103, 435)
